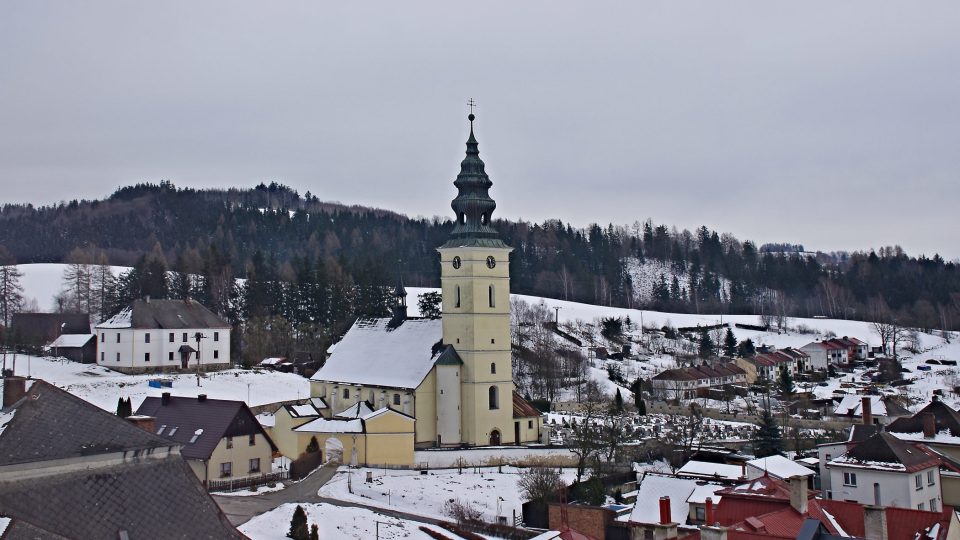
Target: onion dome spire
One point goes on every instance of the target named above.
(473, 205)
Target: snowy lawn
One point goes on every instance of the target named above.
(489, 491)
(102, 386)
(247, 492)
(335, 522)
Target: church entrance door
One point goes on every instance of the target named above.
(495, 437)
(516, 433)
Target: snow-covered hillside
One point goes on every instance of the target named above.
(646, 274)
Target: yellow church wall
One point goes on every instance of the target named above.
(283, 435)
(425, 401)
(530, 429)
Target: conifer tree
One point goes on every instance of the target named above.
(730, 344)
(785, 384)
(298, 525)
(707, 348)
(769, 440)
(746, 349)
(11, 291)
(618, 401)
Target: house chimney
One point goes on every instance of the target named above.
(146, 423)
(713, 533)
(929, 425)
(14, 388)
(165, 398)
(798, 494)
(664, 510)
(201, 398)
(875, 522)
(867, 410)
(709, 512)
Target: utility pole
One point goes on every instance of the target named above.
(198, 336)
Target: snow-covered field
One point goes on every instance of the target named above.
(103, 387)
(336, 522)
(492, 493)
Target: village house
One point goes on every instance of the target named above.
(157, 335)
(221, 439)
(880, 410)
(825, 353)
(69, 469)
(693, 382)
(38, 330)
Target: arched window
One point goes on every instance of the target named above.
(494, 398)
(490, 293)
(493, 367)
(458, 297)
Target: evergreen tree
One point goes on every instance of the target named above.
(618, 402)
(430, 304)
(636, 388)
(121, 408)
(313, 445)
(706, 348)
(746, 349)
(298, 525)
(641, 407)
(769, 440)
(785, 384)
(730, 344)
(11, 291)
(314, 532)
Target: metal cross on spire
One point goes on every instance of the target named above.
(472, 104)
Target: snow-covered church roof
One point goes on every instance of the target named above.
(374, 354)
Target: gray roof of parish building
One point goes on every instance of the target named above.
(165, 315)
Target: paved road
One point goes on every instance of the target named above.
(241, 509)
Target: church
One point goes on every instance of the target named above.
(452, 376)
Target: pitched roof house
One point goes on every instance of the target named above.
(220, 438)
(69, 470)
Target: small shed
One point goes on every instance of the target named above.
(80, 348)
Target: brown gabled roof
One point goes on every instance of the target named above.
(45, 327)
(945, 418)
(883, 451)
(522, 408)
(704, 371)
(214, 418)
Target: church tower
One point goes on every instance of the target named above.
(475, 280)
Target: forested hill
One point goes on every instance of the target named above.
(196, 230)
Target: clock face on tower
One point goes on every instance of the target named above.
(491, 262)
(456, 263)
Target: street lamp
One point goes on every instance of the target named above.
(198, 336)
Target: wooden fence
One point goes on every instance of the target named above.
(233, 484)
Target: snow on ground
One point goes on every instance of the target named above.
(247, 492)
(473, 457)
(492, 493)
(42, 281)
(103, 387)
(336, 522)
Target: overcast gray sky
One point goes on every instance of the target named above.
(832, 124)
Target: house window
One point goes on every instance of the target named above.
(252, 441)
(933, 505)
(490, 293)
(930, 479)
(103, 338)
(102, 355)
(216, 353)
(530, 424)
(396, 399)
(216, 336)
(146, 337)
(170, 356)
(850, 479)
(918, 481)
(346, 393)
(184, 337)
(255, 465)
(494, 398)
(458, 297)
(171, 337)
(701, 514)
(118, 337)
(146, 357)
(921, 506)
(493, 367)
(118, 357)
(229, 442)
(226, 469)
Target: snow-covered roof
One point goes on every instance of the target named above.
(777, 466)
(322, 425)
(300, 411)
(851, 404)
(700, 494)
(705, 469)
(941, 437)
(357, 410)
(319, 403)
(124, 319)
(654, 486)
(272, 361)
(71, 340)
(373, 354)
(381, 411)
(267, 419)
